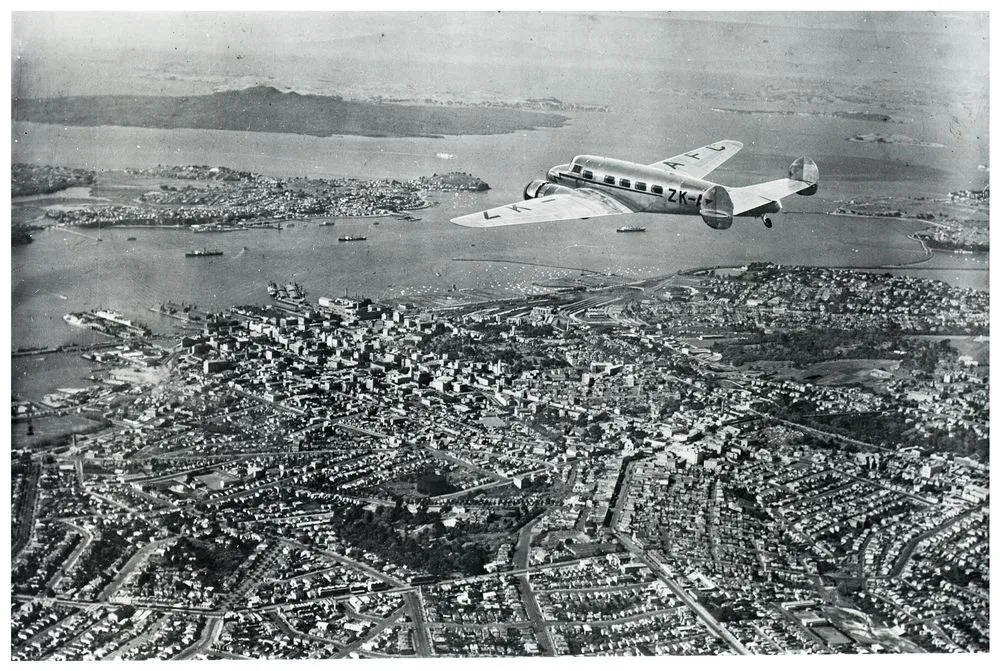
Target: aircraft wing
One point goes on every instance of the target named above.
(699, 162)
(746, 198)
(576, 204)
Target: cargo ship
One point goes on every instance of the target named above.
(631, 229)
(204, 252)
(352, 238)
(215, 228)
(183, 312)
(291, 294)
(107, 321)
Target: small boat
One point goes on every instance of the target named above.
(130, 239)
(631, 229)
(352, 238)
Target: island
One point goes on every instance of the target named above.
(892, 138)
(265, 109)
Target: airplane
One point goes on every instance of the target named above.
(594, 186)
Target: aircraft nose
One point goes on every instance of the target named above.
(553, 174)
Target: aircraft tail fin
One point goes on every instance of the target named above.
(805, 170)
(717, 208)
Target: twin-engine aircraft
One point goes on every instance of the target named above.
(594, 186)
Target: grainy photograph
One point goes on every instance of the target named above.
(404, 335)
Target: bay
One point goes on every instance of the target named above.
(63, 271)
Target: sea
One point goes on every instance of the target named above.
(64, 271)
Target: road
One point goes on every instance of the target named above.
(88, 538)
(421, 638)
(522, 556)
(660, 570)
(209, 634)
(912, 544)
(131, 565)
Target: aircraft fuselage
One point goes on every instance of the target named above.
(641, 187)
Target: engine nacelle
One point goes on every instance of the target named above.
(717, 208)
(540, 188)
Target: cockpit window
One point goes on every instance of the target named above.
(657, 189)
(624, 182)
(577, 169)
(609, 179)
(641, 186)
(588, 175)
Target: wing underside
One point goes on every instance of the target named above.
(748, 198)
(578, 204)
(699, 162)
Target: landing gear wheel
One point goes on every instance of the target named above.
(767, 222)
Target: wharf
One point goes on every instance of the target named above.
(183, 312)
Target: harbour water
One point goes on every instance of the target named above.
(62, 271)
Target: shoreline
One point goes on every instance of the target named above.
(928, 248)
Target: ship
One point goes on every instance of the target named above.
(76, 320)
(631, 229)
(292, 294)
(113, 316)
(130, 238)
(204, 252)
(108, 321)
(328, 223)
(215, 228)
(352, 238)
(183, 312)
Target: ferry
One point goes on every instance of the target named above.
(352, 238)
(204, 252)
(631, 229)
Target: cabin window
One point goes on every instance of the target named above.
(624, 182)
(657, 189)
(640, 186)
(577, 169)
(609, 179)
(588, 175)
